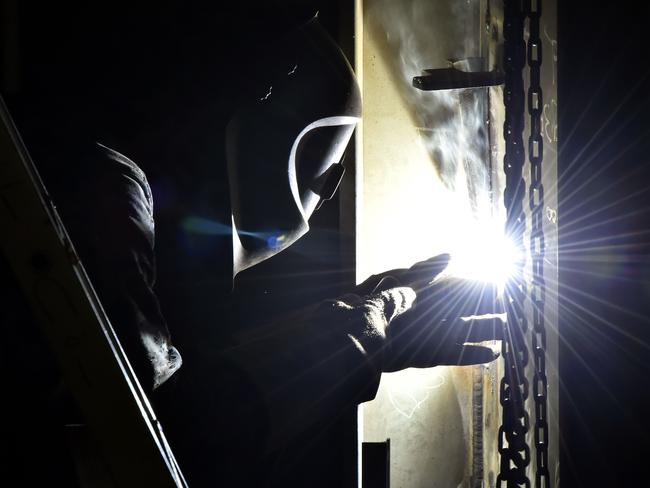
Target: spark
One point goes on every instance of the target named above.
(265, 97)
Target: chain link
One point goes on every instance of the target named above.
(513, 448)
(533, 10)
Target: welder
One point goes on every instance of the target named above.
(235, 150)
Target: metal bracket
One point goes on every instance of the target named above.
(461, 73)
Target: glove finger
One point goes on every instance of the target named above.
(386, 283)
(452, 298)
(481, 328)
(371, 283)
(465, 355)
(351, 299)
(422, 273)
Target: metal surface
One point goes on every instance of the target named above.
(385, 125)
(91, 358)
(426, 413)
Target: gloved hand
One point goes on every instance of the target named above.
(327, 357)
(417, 317)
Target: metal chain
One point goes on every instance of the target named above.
(513, 449)
(533, 10)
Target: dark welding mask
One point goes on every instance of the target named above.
(285, 143)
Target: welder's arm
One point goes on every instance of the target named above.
(110, 217)
(326, 358)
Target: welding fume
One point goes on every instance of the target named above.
(199, 142)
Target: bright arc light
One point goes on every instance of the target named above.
(488, 256)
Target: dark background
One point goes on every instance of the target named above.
(604, 99)
(604, 95)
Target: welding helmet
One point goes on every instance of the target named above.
(286, 141)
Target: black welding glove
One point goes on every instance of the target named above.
(418, 317)
(325, 358)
